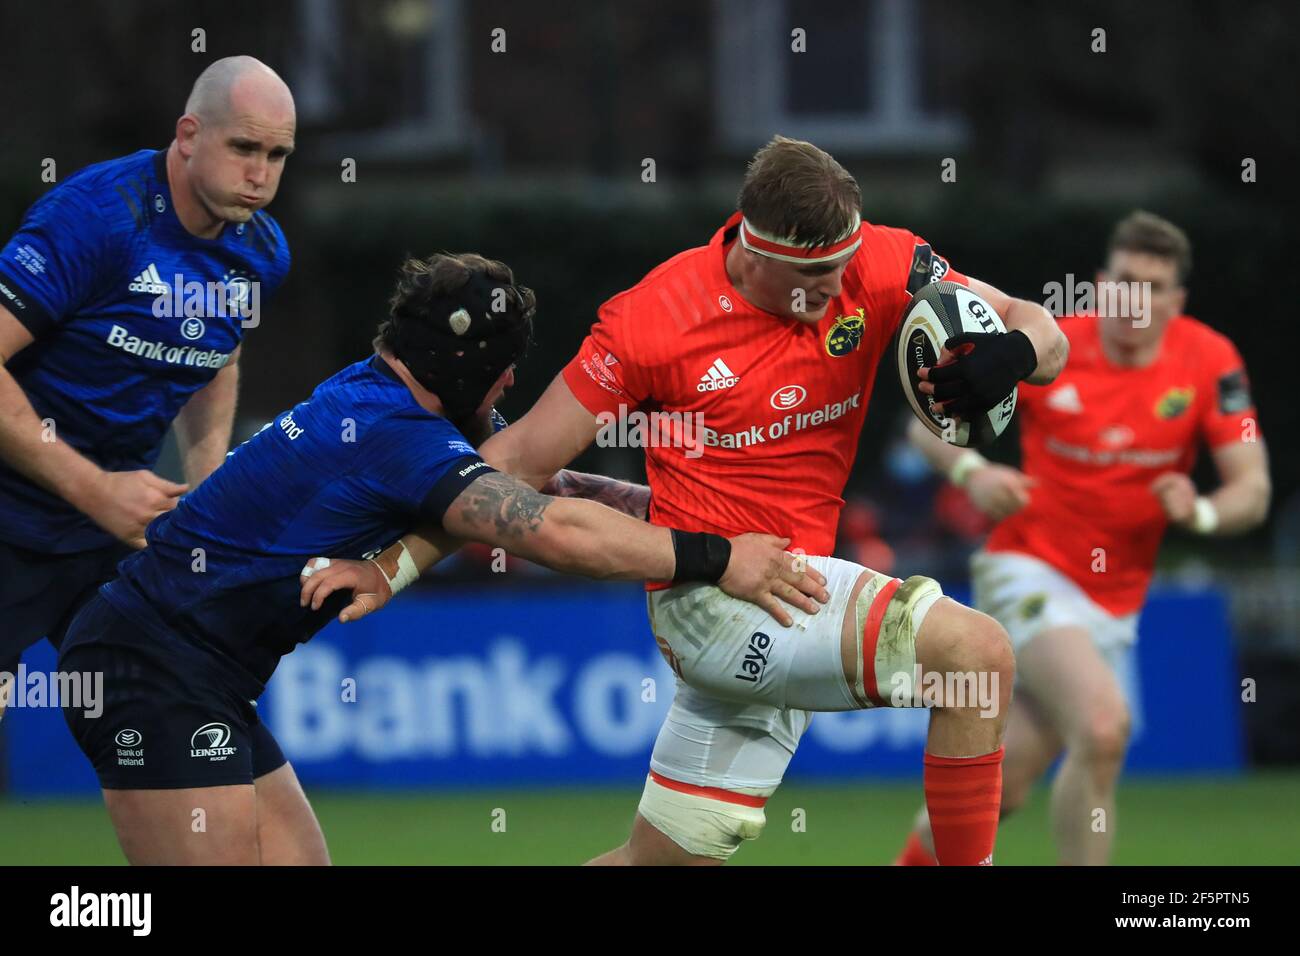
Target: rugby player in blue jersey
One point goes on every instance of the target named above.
(193, 627)
(98, 355)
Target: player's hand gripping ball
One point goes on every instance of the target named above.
(973, 363)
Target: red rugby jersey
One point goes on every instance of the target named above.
(769, 409)
(1099, 435)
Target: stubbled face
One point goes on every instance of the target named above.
(235, 164)
(774, 285)
(1134, 317)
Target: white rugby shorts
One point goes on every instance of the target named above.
(747, 686)
(1027, 596)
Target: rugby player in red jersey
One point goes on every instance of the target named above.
(1106, 453)
(769, 338)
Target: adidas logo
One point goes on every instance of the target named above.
(149, 281)
(717, 377)
(1065, 399)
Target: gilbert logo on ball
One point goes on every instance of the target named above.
(939, 311)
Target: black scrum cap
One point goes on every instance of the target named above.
(458, 344)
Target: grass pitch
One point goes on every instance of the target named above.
(1169, 821)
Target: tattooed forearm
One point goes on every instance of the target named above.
(508, 507)
(622, 496)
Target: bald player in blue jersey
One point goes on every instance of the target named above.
(99, 355)
(192, 629)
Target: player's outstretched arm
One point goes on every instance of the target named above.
(583, 537)
(1240, 502)
(550, 435)
(122, 502)
(205, 424)
(535, 450)
(996, 490)
(623, 496)
(427, 545)
(374, 582)
(940, 455)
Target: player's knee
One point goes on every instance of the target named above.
(990, 647)
(978, 643)
(1105, 736)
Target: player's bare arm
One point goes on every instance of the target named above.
(205, 424)
(122, 503)
(623, 496)
(1050, 345)
(535, 450)
(569, 429)
(1239, 503)
(553, 432)
(587, 538)
(427, 545)
(371, 582)
(996, 490)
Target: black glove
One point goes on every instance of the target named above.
(986, 368)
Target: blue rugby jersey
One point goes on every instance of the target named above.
(343, 474)
(93, 261)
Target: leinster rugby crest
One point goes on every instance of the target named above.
(845, 334)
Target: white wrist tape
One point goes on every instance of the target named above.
(967, 462)
(407, 572)
(1206, 519)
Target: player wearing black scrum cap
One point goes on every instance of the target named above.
(193, 628)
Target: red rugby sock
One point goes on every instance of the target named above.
(914, 853)
(963, 796)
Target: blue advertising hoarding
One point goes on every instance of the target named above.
(563, 685)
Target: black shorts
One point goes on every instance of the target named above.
(169, 717)
(41, 593)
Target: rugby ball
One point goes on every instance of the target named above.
(935, 314)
